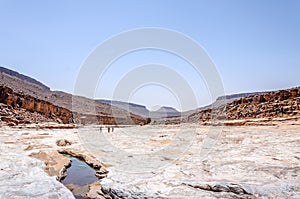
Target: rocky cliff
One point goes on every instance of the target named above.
(275, 104)
(20, 103)
(282, 103)
(23, 94)
(16, 108)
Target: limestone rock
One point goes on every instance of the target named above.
(63, 142)
(56, 164)
(78, 190)
(95, 192)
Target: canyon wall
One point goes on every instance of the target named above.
(276, 104)
(31, 104)
(15, 106)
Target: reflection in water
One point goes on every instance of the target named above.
(79, 173)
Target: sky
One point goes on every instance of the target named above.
(254, 44)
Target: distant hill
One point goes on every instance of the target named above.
(164, 112)
(22, 77)
(141, 110)
(137, 109)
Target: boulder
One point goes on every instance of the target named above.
(63, 142)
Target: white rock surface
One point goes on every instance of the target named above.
(166, 161)
(162, 161)
(22, 176)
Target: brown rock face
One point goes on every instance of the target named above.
(294, 92)
(283, 103)
(31, 104)
(32, 98)
(18, 101)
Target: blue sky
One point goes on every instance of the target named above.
(255, 44)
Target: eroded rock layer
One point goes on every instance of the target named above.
(276, 104)
(19, 102)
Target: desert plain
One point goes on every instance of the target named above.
(154, 161)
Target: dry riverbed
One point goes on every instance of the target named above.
(155, 161)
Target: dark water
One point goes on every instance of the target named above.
(79, 173)
(79, 197)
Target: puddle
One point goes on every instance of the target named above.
(79, 173)
(79, 197)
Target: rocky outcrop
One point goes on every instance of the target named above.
(276, 104)
(63, 142)
(90, 191)
(273, 104)
(20, 101)
(56, 164)
(17, 108)
(12, 117)
(34, 97)
(242, 192)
